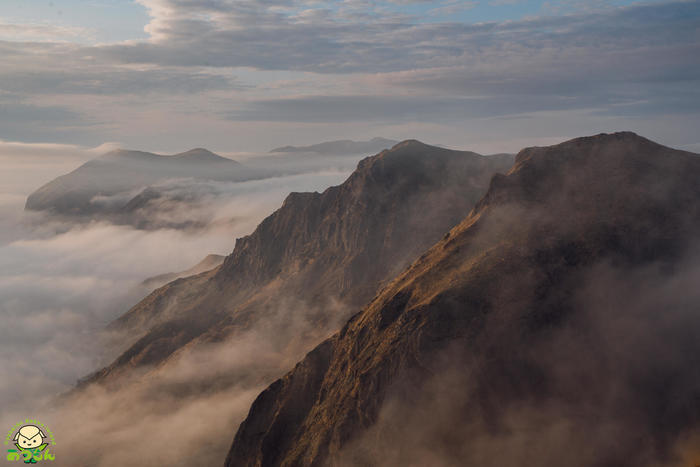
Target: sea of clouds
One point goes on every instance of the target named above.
(61, 283)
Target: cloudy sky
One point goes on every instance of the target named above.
(249, 75)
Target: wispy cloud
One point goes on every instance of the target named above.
(38, 32)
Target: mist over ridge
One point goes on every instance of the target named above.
(63, 280)
(286, 286)
(504, 260)
(558, 307)
(341, 233)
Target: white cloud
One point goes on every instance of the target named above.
(60, 284)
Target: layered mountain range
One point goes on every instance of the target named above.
(318, 257)
(556, 324)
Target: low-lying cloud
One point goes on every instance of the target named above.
(185, 412)
(616, 384)
(61, 283)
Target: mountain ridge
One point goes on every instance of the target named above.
(338, 245)
(339, 147)
(493, 301)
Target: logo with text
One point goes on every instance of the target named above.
(31, 440)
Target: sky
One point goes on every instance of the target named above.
(250, 75)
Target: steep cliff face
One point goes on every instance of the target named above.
(555, 324)
(325, 252)
(345, 240)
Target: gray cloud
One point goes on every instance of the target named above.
(439, 109)
(113, 81)
(255, 34)
(218, 67)
(23, 114)
(388, 108)
(624, 62)
(30, 122)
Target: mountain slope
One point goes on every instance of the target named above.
(316, 257)
(555, 324)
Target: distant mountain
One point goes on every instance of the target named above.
(104, 186)
(208, 263)
(341, 147)
(556, 324)
(317, 258)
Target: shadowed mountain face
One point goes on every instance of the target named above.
(340, 147)
(557, 324)
(106, 184)
(318, 256)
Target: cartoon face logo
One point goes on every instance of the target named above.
(29, 436)
(31, 442)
